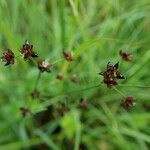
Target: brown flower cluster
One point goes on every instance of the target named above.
(74, 78)
(44, 66)
(68, 56)
(27, 50)
(8, 57)
(63, 109)
(83, 103)
(24, 111)
(125, 56)
(111, 75)
(60, 76)
(129, 102)
(35, 94)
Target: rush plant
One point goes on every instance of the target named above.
(80, 80)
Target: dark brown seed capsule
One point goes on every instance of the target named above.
(63, 109)
(125, 56)
(35, 94)
(129, 102)
(27, 51)
(44, 66)
(24, 111)
(60, 76)
(83, 103)
(8, 57)
(74, 79)
(68, 56)
(111, 75)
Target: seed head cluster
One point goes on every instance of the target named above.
(44, 66)
(111, 75)
(60, 76)
(68, 56)
(129, 102)
(24, 111)
(8, 57)
(27, 50)
(125, 56)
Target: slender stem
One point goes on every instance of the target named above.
(35, 63)
(85, 89)
(53, 63)
(37, 81)
(121, 41)
(136, 86)
(74, 91)
(118, 91)
(17, 56)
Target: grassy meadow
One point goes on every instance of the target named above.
(93, 31)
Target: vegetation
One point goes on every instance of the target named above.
(60, 102)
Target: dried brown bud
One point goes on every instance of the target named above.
(63, 109)
(68, 56)
(27, 51)
(35, 94)
(124, 55)
(8, 57)
(44, 66)
(74, 78)
(129, 102)
(60, 76)
(83, 103)
(24, 111)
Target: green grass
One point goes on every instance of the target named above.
(94, 31)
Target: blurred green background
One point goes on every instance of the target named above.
(94, 31)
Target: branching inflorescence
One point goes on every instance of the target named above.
(111, 74)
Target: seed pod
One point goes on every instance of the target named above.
(24, 111)
(74, 78)
(63, 109)
(111, 75)
(35, 94)
(129, 102)
(124, 55)
(8, 57)
(60, 76)
(27, 51)
(83, 103)
(68, 56)
(44, 66)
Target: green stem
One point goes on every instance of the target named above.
(35, 63)
(85, 89)
(118, 91)
(53, 63)
(17, 56)
(136, 86)
(73, 91)
(37, 81)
